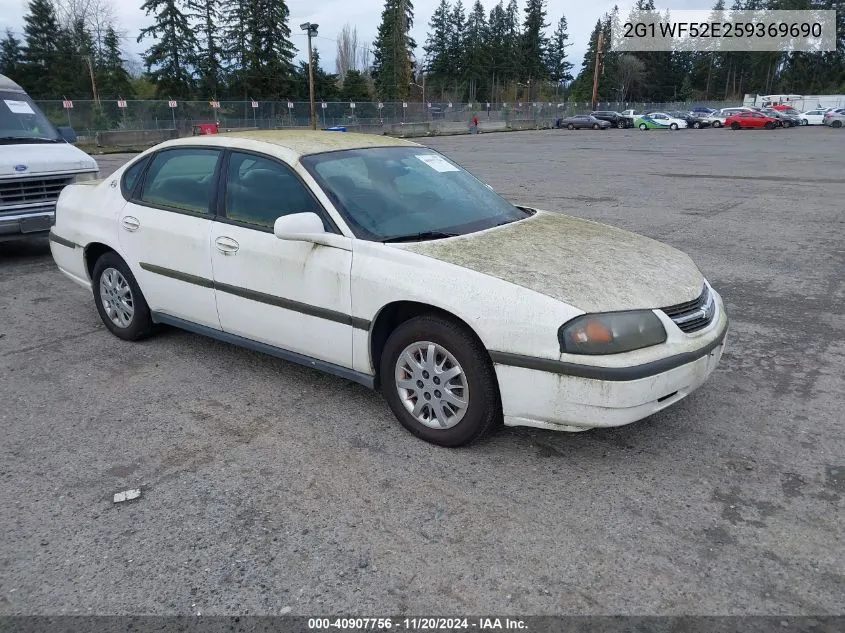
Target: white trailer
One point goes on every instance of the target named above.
(802, 103)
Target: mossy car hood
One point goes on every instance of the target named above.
(591, 266)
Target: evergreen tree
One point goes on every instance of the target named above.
(237, 18)
(114, 79)
(457, 51)
(534, 45)
(437, 47)
(355, 87)
(582, 87)
(559, 67)
(513, 43)
(11, 55)
(393, 50)
(270, 53)
(168, 59)
(325, 84)
(206, 17)
(499, 47)
(476, 54)
(41, 28)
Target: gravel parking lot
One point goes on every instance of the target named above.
(267, 485)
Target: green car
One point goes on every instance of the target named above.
(658, 121)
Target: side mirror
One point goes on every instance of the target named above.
(67, 134)
(300, 227)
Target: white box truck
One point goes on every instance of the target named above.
(37, 161)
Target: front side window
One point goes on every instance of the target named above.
(181, 179)
(22, 122)
(394, 193)
(260, 190)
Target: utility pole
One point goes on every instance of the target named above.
(599, 56)
(311, 29)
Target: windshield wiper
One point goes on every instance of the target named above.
(30, 139)
(417, 237)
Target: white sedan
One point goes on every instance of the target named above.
(813, 117)
(384, 262)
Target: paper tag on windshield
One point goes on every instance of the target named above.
(437, 163)
(19, 107)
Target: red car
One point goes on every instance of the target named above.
(750, 120)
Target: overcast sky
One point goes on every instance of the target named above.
(331, 15)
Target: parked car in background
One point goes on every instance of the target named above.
(616, 119)
(786, 109)
(334, 250)
(785, 119)
(694, 120)
(812, 117)
(660, 121)
(37, 161)
(716, 119)
(751, 120)
(582, 121)
(834, 118)
(702, 111)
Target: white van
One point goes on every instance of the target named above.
(36, 162)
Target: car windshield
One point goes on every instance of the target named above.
(22, 121)
(398, 193)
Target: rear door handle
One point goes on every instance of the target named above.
(129, 223)
(227, 245)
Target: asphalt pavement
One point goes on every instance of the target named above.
(269, 486)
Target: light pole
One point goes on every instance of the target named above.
(311, 30)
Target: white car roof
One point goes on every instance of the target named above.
(9, 85)
(297, 142)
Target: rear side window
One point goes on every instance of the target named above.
(130, 178)
(181, 179)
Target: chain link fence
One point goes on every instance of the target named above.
(89, 117)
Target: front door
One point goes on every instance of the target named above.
(291, 295)
(165, 232)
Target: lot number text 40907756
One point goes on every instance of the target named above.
(416, 624)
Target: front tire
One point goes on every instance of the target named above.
(620, 125)
(119, 300)
(736, 126)
(596, 126)
(643, 127)
(673, 126)
(696, 125)
(769, 126)
(570, 127)
(836, 124)
(805, 122)
(439, 381)
(717, 124)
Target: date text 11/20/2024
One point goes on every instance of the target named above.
(416, 624)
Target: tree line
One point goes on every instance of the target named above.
(243, 49)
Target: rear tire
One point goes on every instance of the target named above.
(570, 127)
(119, 299)
(620, 125)
(836, 124)
(717, 124)
(769, 126)
(805, 122)
(437, 346)
(673, 126)
(643, 127)
(696, 125)
(596, 126)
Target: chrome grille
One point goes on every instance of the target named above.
(24, 191)
(693, 315)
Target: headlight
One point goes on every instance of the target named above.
(611, 332)
(86, 176)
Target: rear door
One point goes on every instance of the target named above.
(292, 295)
(165, 233)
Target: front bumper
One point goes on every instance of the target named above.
(27, 223)
(552, 397)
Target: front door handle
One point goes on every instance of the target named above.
(129, 223)
(227, 245)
